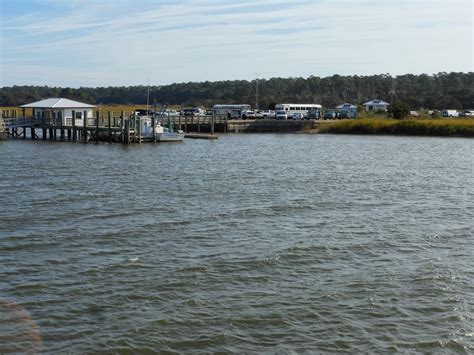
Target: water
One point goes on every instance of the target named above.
(251, 243)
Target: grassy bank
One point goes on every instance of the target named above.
(420, 127)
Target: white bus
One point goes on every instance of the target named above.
(291, 109)
(234, 110)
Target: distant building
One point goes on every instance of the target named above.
(347, 109)
(376, 105)
(59, 110)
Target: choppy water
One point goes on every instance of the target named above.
(252, 243)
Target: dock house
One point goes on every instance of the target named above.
(348, 110)
(59, 111)
(376, 105)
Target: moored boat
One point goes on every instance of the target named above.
(162, 134)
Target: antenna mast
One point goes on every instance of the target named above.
(148, 98)
(256, 91)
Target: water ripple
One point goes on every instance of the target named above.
(248, 244)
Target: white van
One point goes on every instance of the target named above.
(450, 113)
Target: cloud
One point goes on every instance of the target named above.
(125, 41)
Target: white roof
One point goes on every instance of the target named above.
(377, 102)
(346, 105)
(314, 105)
(57, 103)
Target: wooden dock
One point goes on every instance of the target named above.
(125, 129)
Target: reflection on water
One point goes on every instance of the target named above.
(281, 243)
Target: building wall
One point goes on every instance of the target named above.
(376, 107)
(67, 117)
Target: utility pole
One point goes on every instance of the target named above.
(148, 97)
(256, 91)
(392, 94)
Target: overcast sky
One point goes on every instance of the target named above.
(128, 42)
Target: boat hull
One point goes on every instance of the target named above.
(170, 137)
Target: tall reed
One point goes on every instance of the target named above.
(422, 127)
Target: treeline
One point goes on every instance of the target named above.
(439, 91)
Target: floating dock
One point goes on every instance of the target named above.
(200, 136)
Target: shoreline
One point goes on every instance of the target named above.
(461, 128)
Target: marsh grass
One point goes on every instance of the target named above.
(421, 127)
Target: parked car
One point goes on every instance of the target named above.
(466, 113)
(248, 114)
(330, 115)
(281, 115)
(344, 114)
(268, 114)
(314, 114)
(298, 116)
(258, 114)
(193, 111)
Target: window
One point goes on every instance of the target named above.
(78, 115)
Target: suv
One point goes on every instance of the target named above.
(314, 114)
(281, 115)
(329, 115)
(298, 116)
(344, 114)
(193, 111)
(248, 114)
(268, 114)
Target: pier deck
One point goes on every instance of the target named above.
(126, 129)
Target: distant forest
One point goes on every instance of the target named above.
(439, 91)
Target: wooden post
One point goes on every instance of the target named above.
(122, 128)
(32, 129)
(61, 128)
(45, 132)
(212, 122)
(127, 131)
(199, 124)
(74, 133)
(139, 129)
(24, 132)
(84, 120)
(153, 133)
(97, 127)
(23, 112)
(225, 124)
(110, 127)
(179, 122)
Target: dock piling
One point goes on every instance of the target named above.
(74, 133)
(109, 122)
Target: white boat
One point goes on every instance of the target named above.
(170, 136)
(162, 134)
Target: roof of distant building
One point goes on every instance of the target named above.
(376, 102)
(57, 103)
(346, 105)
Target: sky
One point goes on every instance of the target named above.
(95, 43)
